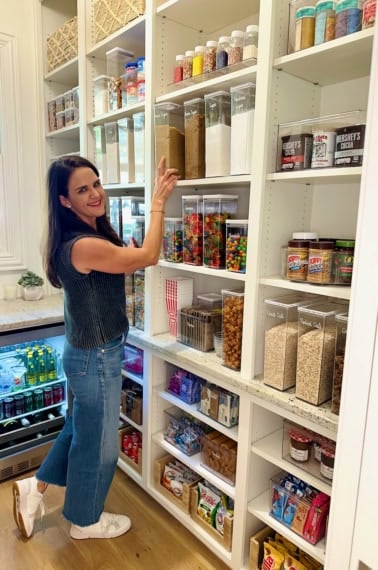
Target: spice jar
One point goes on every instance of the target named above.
(210, 56)
(178, 70)
(222, 52)
(198, 60)
(297, 259)
(343, 258)
(304, 27)
(236, 47)
(369, 9)
(250, 44)
(325, 21)
(188, 65)
(320, 262)
(327, 460)
(300, 444)
(194, 113)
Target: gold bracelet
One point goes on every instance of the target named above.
(160, 211)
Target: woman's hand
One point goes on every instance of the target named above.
(165, 183)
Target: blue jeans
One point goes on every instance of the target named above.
(84, 455)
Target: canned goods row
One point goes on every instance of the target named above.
(20, 404)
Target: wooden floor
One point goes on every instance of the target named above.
(156, 540)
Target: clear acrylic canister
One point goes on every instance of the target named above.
(126, 150)
(242, 120)
(138, 119)
(100, 152)
(192, 217)
(236, 245)
(194, 112)
(169, 135)
(112, 152)
(172, 240)
(101, 94)
(218, 133)
(341, 333)
(217, 209)
(232, 324)
(139, 299)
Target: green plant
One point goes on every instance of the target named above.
(30, 279)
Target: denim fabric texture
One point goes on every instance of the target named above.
(84, 456)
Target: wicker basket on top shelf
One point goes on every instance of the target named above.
(62, 44)
(110, 15)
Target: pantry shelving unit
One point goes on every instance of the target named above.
(323, 80)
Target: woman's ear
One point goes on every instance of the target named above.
(63, 200)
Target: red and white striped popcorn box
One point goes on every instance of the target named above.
(178, 294)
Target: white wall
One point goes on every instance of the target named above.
(18, 19)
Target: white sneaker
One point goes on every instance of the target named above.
(108, 526)
(26, 502)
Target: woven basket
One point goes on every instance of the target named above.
(62, 44)
(110, 15)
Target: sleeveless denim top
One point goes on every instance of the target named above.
(94, 303)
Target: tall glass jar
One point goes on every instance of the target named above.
(251, 40)
(236, 47)
(188, 65)
(194, 112)
(198, 60)
(218, 133)
(222, 52)
(210, 57)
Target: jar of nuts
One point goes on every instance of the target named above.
(233, 308)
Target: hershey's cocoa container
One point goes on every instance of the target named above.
(296, 151)
(349, 147)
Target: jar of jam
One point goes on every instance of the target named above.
(297, 259)
(300, 445)
(343, 258)
(320, 262)
(327, 461)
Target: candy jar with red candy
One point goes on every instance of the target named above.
(192, 217)
(217, 209)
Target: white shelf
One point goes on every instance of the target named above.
(195, 463)
(138, 427)
(66, 74)
(71, 133)
(119, 114)
(215, 81)
(133, 377)
(339, 60)
(132, 473)
(130, 186)
(260, 508)
(192, 409)
(190, 524)
(336, 291)
(133, 34)
(319, 176)
(223, 273)
(270, 448)
(239, 180)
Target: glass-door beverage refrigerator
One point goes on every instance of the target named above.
(33, 396)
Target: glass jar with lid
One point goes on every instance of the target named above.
(343, 258)
(251, 40)
(222, 52)
(236, 47)
(178, 71)
(210, 56)
(198, 59)
(188, 65)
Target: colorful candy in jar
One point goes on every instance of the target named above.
(192, 209)
(172, 240)
(217, 210)
(236, 245)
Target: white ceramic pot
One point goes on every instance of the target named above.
(32, 293)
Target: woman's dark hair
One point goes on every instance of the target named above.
(62, 220)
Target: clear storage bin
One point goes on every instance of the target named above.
(217, 209)
(236, 245)
(139, 299)
(172, 240)
(68, 99)
(218, 133)
(60, 120)
(59, 103)
(116, 60)
(341, 333)
(100, 152)
(115, 214)
(169, 135)
(139, 146)
(242, 121)
(232, 322)
(126, 150)
(137, 229)
(112, 152)
(197, 326)
(194, 112)
(316, 351)
(192, 216)
(101, 94)
(76, 104)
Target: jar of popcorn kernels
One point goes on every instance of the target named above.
(232, 307)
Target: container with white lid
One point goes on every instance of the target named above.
(101, 94)
(250, 45)
(304, 235)
(236, 47)
(218, 133)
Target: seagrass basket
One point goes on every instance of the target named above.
(110, 15)
(62, 44)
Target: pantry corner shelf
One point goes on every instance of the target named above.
(331, 62)
(260, 508)
(133, 33)
(70, 133)
(115, 115)
(66, 74)
(223, 273)
(319, 176)
(336, 291)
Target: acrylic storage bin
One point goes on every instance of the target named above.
(185, 386)
(219, 454)
(236, 245)
(172, 240)
(218, 133)
(116, 60)
(281, 340)
(133, 359)
(197, 326)
(126, 150)
(242, 121)
(341, 333)
(217, 209)
(192, 217)
(100, 151)
(112, 152)
(130, 298)
(209, 301)
(183, 431)
(232, 324)
(316, 351)
(178, 294)
(169, 135)
(139, 299)
(101, 94)
(139, 154)
(134, 228)
(194, 112)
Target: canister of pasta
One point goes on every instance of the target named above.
(323, 149)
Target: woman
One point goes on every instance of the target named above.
(86, 258)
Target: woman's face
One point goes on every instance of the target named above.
(86, 196)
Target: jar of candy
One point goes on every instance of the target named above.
(222, 52)
(192, 217)
(178, 72)
(236, 245)
(325, 21)
(198, 60)
(236, 47)
(250, 44)
(210, 56)
(217, 209)
(172, 240)
(188, 65)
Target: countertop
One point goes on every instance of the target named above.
(19, 314)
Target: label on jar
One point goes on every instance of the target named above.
(297, 264)
(319, 266)
(326, 471)
(299, 454)
(296, 152)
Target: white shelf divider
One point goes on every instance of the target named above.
(138, 427)
(332, 175)
(223, 273)
(133, 377)
(337, 291)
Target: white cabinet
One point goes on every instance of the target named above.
(316, 82)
